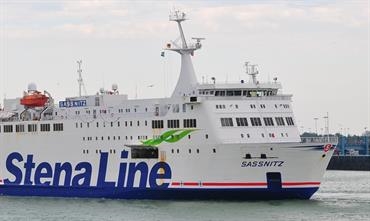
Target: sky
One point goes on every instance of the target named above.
(318, 50)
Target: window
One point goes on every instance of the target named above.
(32, 127)
(19, 128)
(279, 121)
(144, 153)
(8, 128)
(220, 106)
(220, 93)
(227, 122)
(256, 121)
(190, 123)
(58, 127)
(268, 121)
(97, 101)
(157, 124)
(173, 123)
(44, 127)
(241, 121)
(289, 121)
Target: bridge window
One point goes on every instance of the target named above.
(220, 93)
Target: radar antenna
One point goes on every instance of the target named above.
(179, 17)
(80, 80)
(185, 48)
(251, 69)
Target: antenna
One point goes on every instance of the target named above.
(80, 80)
(252, 71)
(179, 17)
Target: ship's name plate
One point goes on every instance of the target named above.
(75, 103)
(262, 163)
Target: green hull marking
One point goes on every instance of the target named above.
(170, 136)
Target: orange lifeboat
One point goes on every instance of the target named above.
(34, 99)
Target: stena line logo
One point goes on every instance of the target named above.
(26, 171)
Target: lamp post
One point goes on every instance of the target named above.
(327, 124)
(316, 124)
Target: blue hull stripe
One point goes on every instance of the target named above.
(170, 193)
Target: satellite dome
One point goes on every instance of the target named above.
(114, 87)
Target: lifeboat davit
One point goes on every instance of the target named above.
(34, 99)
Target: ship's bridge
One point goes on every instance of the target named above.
(240, 89)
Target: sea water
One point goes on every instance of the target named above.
(343, 195)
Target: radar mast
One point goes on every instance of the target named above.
(187, 80)
(251, 70)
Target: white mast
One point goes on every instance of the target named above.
(80, 80)
(187, 80)
(252, 71)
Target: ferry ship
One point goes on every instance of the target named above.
(231, 141)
